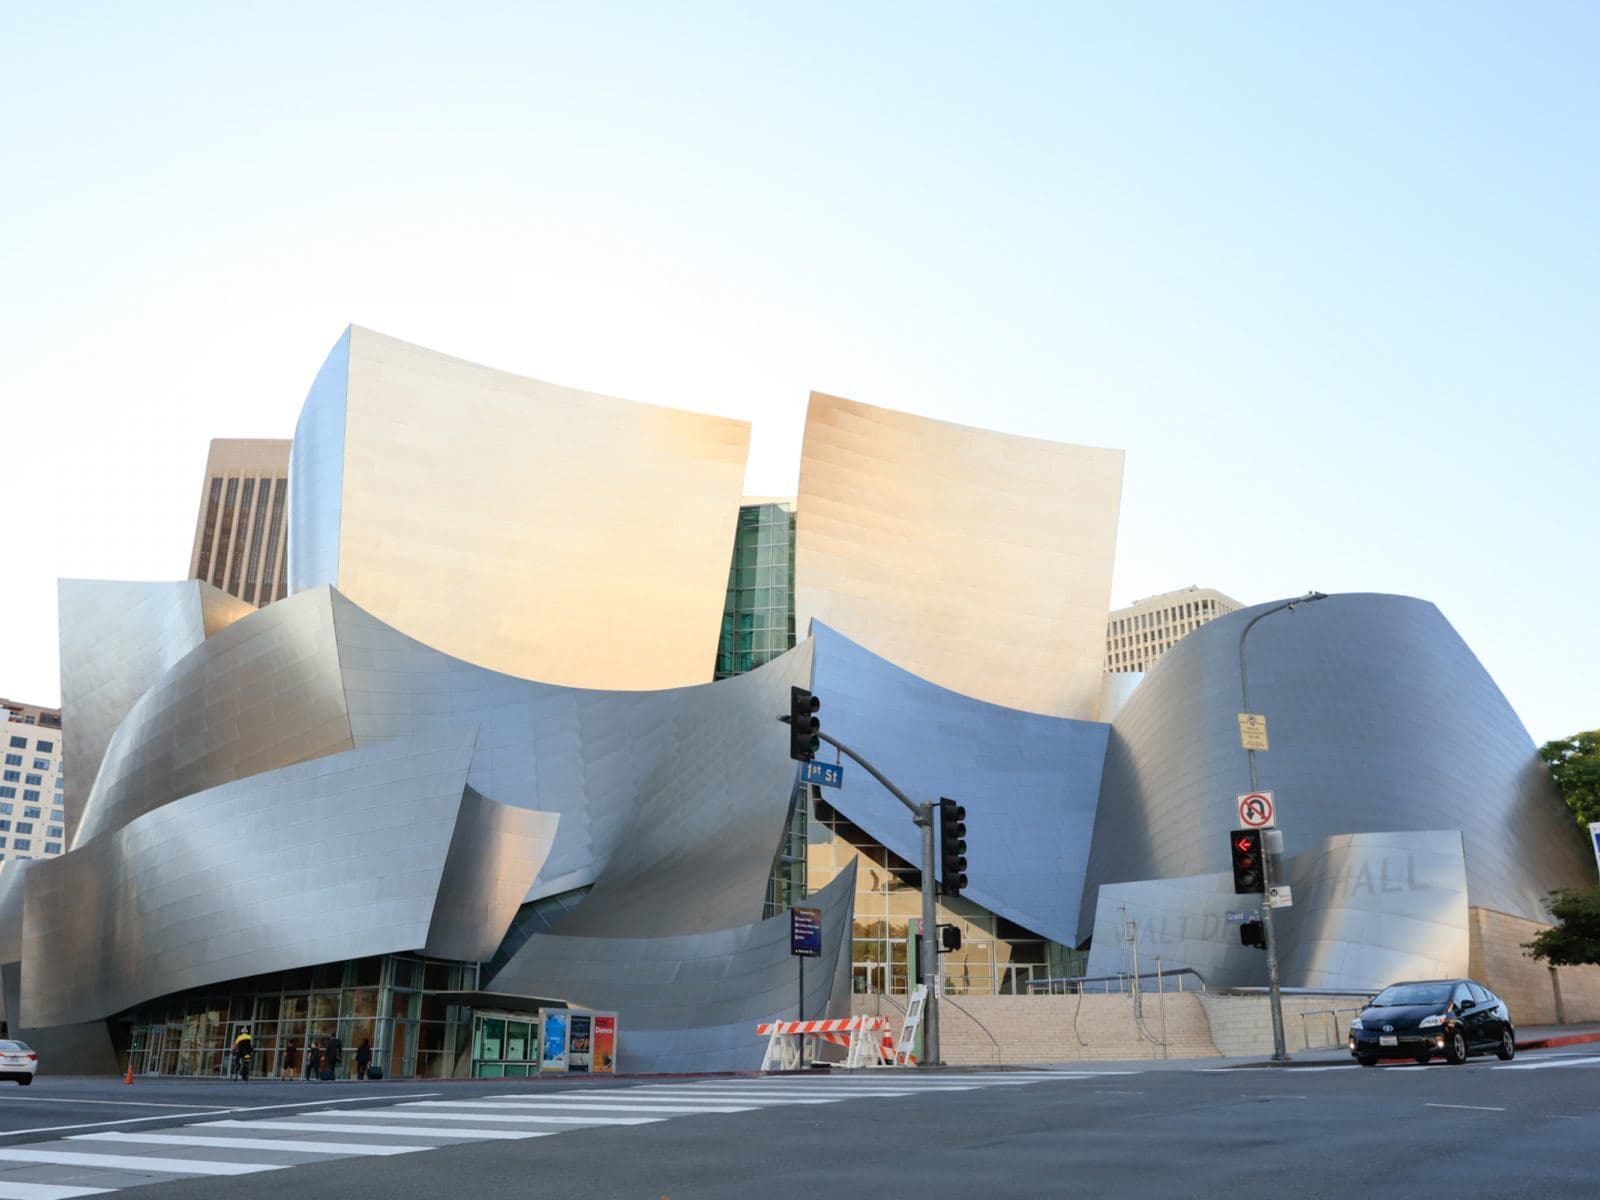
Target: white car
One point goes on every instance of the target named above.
(18, 1061)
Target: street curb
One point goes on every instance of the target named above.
(1571, 1039)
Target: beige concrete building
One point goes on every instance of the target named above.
(32, 813)
(239, 536)
(1140, 634)
(979, 561)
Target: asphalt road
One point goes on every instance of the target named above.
(1201, 1129)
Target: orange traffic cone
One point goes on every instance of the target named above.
(128, 1078)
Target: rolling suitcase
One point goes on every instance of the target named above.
(374, 1072)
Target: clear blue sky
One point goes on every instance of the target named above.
(1328, 273)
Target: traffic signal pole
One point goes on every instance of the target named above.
(928, 955)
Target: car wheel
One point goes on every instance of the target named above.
(24, 1080)
(1367, 1060)
(1455, 1049)
(1508, 1046)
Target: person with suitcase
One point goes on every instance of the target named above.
(363, 1058)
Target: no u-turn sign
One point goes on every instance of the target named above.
(1256, 810)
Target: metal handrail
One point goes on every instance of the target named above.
(1079, 984)
(1333, 1015)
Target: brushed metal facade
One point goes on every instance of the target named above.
(978, 561)
(1369, 909)
(117, 640)
(368, 852)
(1380, 720)
(691, 1002)
(653, 788)
(1030, 783)
(534, 529)
(264, 692)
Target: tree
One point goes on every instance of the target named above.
(1574, 764)
(1575, 939)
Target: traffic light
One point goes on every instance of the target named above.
(1251, 934)
(952, 846)
(949, 937)
(803, 725)
(1245, 845)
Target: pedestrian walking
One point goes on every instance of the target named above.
(291, 1059)
(332, 1053)
(363, 1057)
(313, 1055)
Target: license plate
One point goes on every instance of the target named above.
(1388, 1040)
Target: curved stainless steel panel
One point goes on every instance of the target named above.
(261, 694)
(652, 787)
(117, 640)
(690, 1002)
(316, 475)
(1029, 782)
(1380, 719)
(337, 858)
(1369, 909)
(518, 524)
(977, 560)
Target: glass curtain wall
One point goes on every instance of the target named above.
(758, 617)
(392, 1002)
(996, 955)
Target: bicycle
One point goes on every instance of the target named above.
(240, 1069)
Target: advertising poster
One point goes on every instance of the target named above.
(552, 1041)
(578, 1042)
(604, 1052)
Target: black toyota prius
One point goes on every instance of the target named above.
(1451, 1018)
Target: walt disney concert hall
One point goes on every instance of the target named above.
(510, 743)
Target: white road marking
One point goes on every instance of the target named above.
(134, 1162)
(30, 1100)
(418, 1131)
(389, 1114)
(46, 1191)
(9, 1133)
(244, 1143)
(1545, 1063)
(1474, 1107)
(676, 1110)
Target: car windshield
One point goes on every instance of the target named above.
(1412, 993)
(12, 1048)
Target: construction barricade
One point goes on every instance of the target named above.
(869, 1042)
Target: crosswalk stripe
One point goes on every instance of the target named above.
(581, 1106)
(419, 1131)
(768, 1097)
(1542, 1064)
(134, 1162)
(389, 1114)
(243, 1143)
(46, 1191)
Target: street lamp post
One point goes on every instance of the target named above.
(1279, 1053)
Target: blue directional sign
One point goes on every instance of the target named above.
(805, 932)
(823, 774)
(1594, 836)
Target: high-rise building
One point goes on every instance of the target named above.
(32, 817)
(758, 620)
(240, 542)
(1138, 635)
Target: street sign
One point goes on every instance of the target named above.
(1256, 810)
(1594, 836)
(1235, 917)
(1252, 731)
(805, 932)
(1280, 896)
(823, 774)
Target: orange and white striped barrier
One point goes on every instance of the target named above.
(869, 1040)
